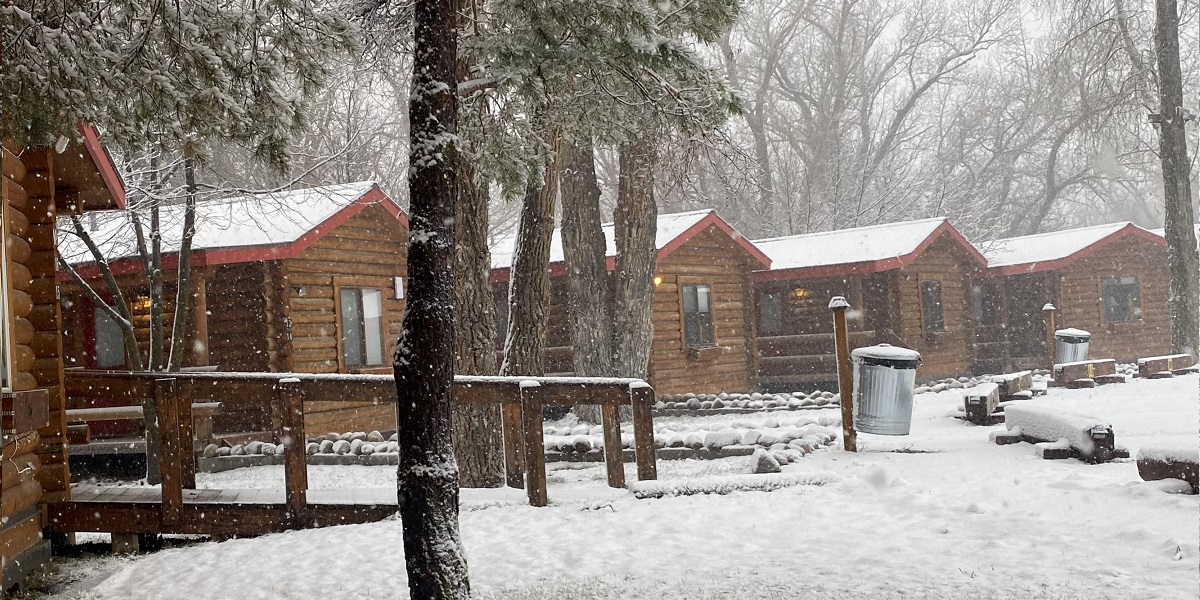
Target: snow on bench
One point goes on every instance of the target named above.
(1170, 461)
(1087, 373)
(726, 484)
(1155, 367)
(980, 403)
(1064, 433)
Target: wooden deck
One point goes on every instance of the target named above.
(227, 512)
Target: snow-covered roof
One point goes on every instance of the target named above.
(1045, 251)
(264, 220)
(671, 227)
(861, 249)
(1162, 233)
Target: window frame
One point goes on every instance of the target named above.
(684, 284)
(359, 284)
(1134, 300)
(92, 341)
(928, 324)
(6, 320)
(778, 297)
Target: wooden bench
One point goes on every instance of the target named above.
(980, 404)
(1087, 373)
(1156, 367)
(1156, 462)
(202, 418)
(1059, 434)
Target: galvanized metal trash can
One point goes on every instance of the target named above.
(884, 377)
(1071, 345)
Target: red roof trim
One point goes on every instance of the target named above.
(875, 266)
(1052, 265)
(224, 256)
(559, 268)
(104, 164)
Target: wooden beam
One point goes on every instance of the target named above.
(614, 464)
(535, 450)
(642, 398)
(166, 400)
(290, 401)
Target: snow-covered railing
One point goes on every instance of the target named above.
(522, 396)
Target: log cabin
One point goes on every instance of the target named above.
(1110, 280)
(703, 326)
(308, 281)
(907, 284)
(38, 184)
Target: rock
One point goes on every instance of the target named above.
(768, 438)
(238, 450)
(254, 448)
(716, 440)
(210, 450)
(781, 456)
(358, 435)
(964, 379)
(660, 405)
(311, 448)
(694, 441)
(596, 430)
(941, 387)
(954, 385)
(341, 447)
(688, 396)
(763, 462)
(675, 441)
(921, 389)
(579, 430)
(827, 395)
(393, 446)
(356, 445)
(366, 449)
(333, 437)
(706, 404)
(718, 403)
(582, 444)
(777, 448)
(393, 438)
(223, 451)
(326, 447)
(751, 437)
(693, 403)
(375, 437)
(268, 450)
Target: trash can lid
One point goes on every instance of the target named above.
(887, 355)
(1072, 335)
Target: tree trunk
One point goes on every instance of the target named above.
(529, 281)
(1182, 258)
(478, 442)
(636, 222)
(183, 288)
(427, 476)
(589, 292)
(155, 359)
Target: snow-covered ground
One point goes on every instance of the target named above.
(941, 513)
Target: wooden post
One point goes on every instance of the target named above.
(514, 470)
(166, 399)
(535, 449)
(841, 340)
(1048, 311)
(291, 433)
(611, 423)
(642, 398)
(187, 444)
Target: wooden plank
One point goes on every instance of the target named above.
(614, 464)
(295, 469)
(514, 461)
(642, 399)
(166, 399)
(534, 446)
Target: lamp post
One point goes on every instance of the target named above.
(841, 340)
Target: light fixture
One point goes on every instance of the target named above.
(657, 280)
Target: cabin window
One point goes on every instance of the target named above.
(697, 316)
(1121, 301)
(932, 320)
(109, 348)
(5, 320)
(362, 327)
(770, 313)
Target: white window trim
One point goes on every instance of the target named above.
(6, 338)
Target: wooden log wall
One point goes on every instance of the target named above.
(945, 353)
(367, 251)
(237, 325)
(709, 258)
(1081, 302)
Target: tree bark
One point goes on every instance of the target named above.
(183, 288)
(1182, 259)
(589, 291)
(427, 476)
(529, 281)
(478, 441)
(636, 223)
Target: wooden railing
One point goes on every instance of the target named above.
(524, 396)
